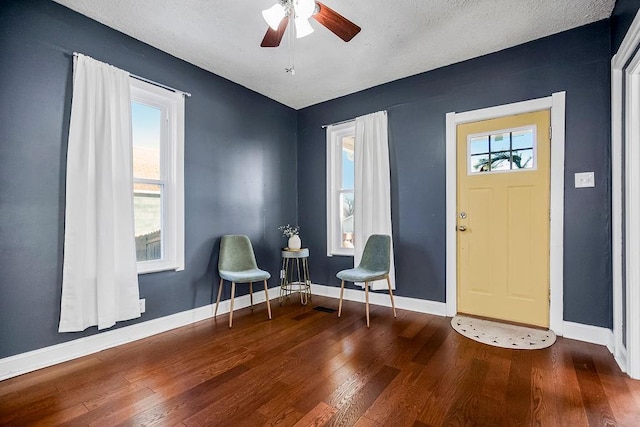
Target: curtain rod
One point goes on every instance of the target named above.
(344, 121)
(172, 89)
(337, 123)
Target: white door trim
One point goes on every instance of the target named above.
(556, 103)
(632, 213)
(625, 137)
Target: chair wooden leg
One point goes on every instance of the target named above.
(341, 294)
(233, 294)
(366, 298)
(391, 295)
(251, 293)
(266, 295)
(219, 294)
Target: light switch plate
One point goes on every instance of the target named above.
(585, 179)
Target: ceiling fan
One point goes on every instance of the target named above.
(278, 15)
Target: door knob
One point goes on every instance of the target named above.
(462, 228)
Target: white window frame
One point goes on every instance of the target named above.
(171, 104)
(335, 133)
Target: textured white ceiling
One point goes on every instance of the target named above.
(398, 38)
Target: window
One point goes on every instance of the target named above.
(157, 128)
(340, 188)
(504, 150)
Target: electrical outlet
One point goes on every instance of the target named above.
(282, 274)
(143, 305)
(585, 179)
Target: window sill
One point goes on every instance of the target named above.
(154, 267)
(343, 252)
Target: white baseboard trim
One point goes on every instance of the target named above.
(48, 356)
(590, 334)
(375, 298)
(621, 357)
(37, 359)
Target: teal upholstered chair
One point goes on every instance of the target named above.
(237, 264)
(375, 264)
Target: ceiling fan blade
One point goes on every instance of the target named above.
(336, 23)
(273, 38)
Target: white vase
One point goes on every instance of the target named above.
(294, 242)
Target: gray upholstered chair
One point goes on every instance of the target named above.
(237, 264)
(375, 264)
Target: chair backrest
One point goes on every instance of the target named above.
(236, 254)
(376, 254)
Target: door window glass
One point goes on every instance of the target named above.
(502, 151)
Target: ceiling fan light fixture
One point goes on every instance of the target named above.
(301, 12)
(274, 15)
(303, 27)
(305, 8)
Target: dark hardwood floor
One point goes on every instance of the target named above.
(307, 367)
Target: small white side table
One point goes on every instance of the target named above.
(294, 275)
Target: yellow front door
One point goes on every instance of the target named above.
(503, 218)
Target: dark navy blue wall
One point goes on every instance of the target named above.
(621, 18)
(577, 62)
(237, 170)
(239, 149)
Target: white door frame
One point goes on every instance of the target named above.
(556, 103)
(625, 137)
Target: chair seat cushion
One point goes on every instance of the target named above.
(359, 274)
(253, 275)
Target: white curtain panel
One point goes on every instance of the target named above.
(372, 213)
(100, 281)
